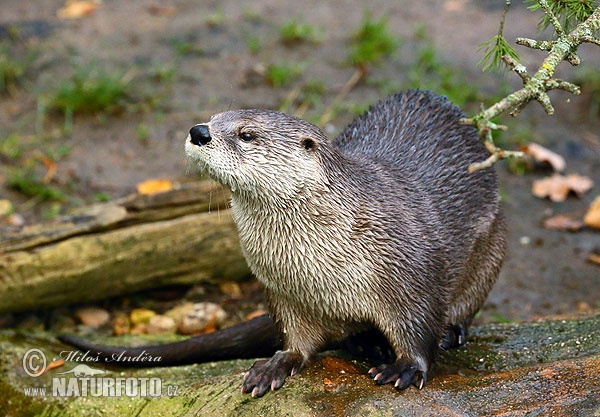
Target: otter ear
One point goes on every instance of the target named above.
(308, 144)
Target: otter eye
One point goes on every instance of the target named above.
(246, 137)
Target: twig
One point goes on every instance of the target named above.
(358, 75)
(556, 84)
(485, 127)
(548, 11)
(572, 58)
(289, 99)
(533, 44)
(517, 67)
(590, 39)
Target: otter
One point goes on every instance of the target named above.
(381, 230)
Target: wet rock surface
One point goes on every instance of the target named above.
(549, 367)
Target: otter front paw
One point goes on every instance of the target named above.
(265, 374)
(402, 374)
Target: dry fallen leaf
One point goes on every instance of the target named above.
(594, 258)
(54, 364)
(51, 169)
(154, 186)
(544, 155)
(256, 313)
(209, 329)
(592, 217)
(76, 9)
(557, 187)
(563, 222)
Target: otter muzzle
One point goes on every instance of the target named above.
(199, 135)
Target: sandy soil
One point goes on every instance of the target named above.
(546, 271)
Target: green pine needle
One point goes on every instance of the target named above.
(494, 49)
(568, 12)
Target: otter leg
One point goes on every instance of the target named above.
(456, 336)
(271, 374)
(302, 341)
(369, 344)
(478, 277)
(415, 344)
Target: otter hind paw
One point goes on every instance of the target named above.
(270, 374)
(402, 374)
(456, 336)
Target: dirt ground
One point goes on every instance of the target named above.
(203, 51)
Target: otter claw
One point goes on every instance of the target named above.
(271, 374)
(402, 374)
(276, 384)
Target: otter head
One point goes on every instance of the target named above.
(259, 153)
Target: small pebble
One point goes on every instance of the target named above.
(231, 289)
(179, 311)
(197, 292)
(141, 316)
(15, 220)
(140, 328)
(160, 324)
(121, 325)
(201, 318)
(92, 316)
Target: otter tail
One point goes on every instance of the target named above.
(251, 339)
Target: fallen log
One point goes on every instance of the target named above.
(182, 236)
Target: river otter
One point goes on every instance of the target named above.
(381, 229)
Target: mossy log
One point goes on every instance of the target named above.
(182, 236)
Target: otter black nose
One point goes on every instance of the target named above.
(200, 135)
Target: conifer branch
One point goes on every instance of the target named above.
(535, 86)
(551, 17)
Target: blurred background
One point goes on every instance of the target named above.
(96, 97)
